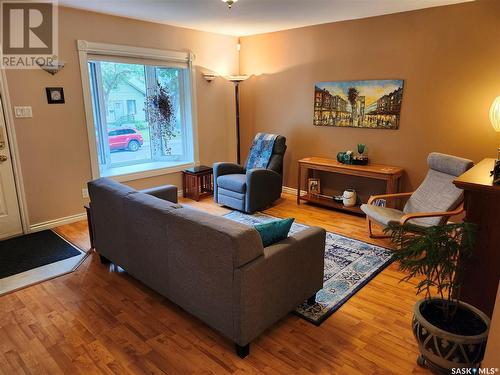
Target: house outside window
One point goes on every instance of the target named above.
(131, 107)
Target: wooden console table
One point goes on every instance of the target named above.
(482, 205)
(390, 174)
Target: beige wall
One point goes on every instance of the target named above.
(448, 56)
(53, 144)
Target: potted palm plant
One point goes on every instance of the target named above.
(450, 333)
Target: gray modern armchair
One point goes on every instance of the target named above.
(254, 189)
(434, 201)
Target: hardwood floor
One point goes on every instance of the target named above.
(100, 320)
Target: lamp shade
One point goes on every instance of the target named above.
(237, 78)
(495, 114)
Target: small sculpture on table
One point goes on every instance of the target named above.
(348, 157)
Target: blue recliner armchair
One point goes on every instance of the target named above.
(254, 189)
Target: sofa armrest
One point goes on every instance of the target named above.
(261, 175)
(274, 284)
(165, 192)
(220, 169)
(263, 187)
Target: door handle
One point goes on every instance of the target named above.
(3, 158)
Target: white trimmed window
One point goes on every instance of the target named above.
(120, 86)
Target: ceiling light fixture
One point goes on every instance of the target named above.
(229, 2)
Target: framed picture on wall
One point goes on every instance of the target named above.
(314, 186)
(373, 104)
(55, 95)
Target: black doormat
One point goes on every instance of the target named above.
(33, 250)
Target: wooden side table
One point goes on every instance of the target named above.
(390, 174)
(197, 182)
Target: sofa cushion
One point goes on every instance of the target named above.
(274, 231)
(448, 164)
(147, 228)
(233, 182)
(108, 218)
(436, 194)
(386, 215)
(276, 161)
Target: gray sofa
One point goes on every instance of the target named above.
(250, 190)
(212, 267)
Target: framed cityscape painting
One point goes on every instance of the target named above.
(374, 104)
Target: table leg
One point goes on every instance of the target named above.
(197, 188)
(184, 185)
(390, 189)
(298, 184)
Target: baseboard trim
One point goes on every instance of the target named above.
(56, 222)
(293, 191)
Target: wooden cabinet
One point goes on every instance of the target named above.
(482, 205)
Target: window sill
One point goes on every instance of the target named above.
(139, 171)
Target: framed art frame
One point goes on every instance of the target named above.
(369, 104)
(314, 186)
(55, 95)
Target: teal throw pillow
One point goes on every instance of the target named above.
(274, 231)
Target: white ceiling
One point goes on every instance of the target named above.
(249, 17)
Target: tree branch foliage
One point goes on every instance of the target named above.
(160, 116)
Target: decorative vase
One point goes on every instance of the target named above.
(340, 156)
(361, 148)
(442, 351)
(349, 198)
(345, 157)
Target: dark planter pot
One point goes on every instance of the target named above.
(441, 350)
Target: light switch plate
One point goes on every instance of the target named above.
(85, 193)
(23, 112)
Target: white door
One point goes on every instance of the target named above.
(10, 219)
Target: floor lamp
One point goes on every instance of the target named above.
(236, 80)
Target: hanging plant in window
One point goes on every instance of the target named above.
(160, 116)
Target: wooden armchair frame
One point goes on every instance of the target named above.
(410, 216)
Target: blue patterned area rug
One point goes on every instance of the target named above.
(349, 265)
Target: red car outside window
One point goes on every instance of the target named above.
(125, 139)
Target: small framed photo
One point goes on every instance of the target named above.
(313, 186)
(380, 202)
(55, 95)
